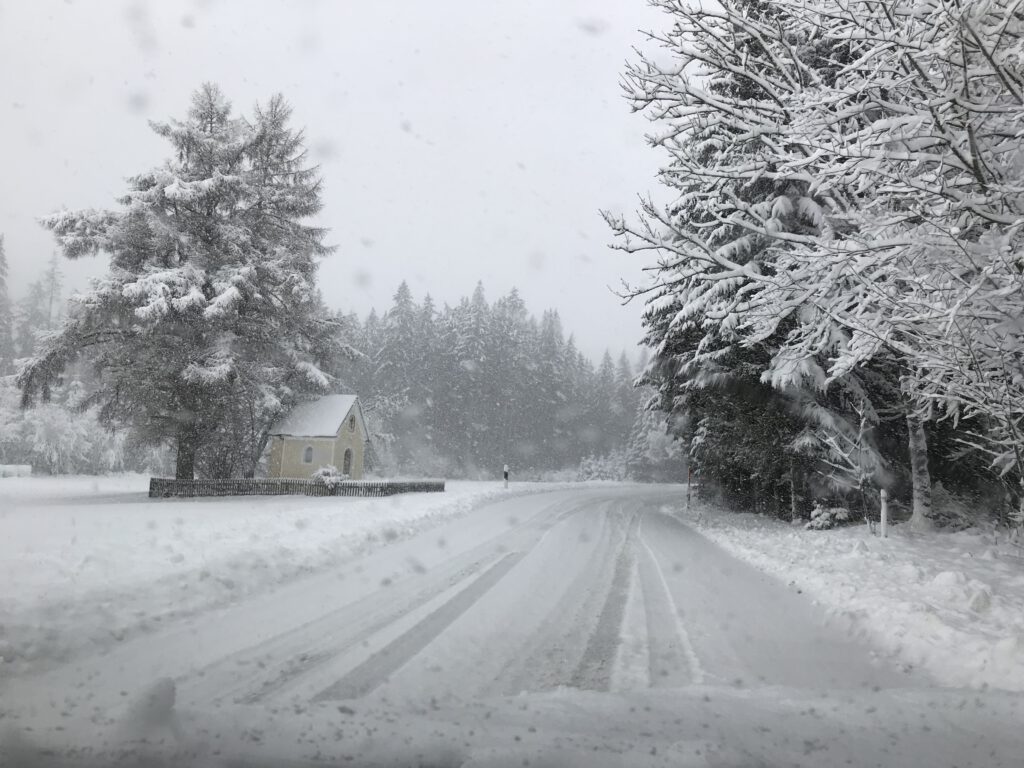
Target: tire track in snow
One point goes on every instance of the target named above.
(575, 563)
(332, 647)
(280, 664)
(632, 670)
(595, 668)
(276, 663)
(673, 661)
(375, 670)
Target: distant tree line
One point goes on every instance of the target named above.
(24, 321)
(462, 390)
(62, 436)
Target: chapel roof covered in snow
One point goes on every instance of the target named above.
(316, 418)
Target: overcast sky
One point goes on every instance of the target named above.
(460, 140)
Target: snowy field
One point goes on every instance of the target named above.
(950, 603)
(90, 560)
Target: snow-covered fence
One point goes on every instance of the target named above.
(166, 488)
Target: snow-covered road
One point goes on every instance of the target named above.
(524, 599)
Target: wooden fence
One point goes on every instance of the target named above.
(163, 488)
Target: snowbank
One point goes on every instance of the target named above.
(89, 560)
(950, 603)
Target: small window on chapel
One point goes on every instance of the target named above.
(351, 423)
(307, 455)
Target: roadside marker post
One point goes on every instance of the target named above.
(506, 475)
(689, 477)
(884, 514)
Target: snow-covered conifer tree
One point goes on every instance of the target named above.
(720, 111)
(208, 323)
(7, 352)
(507, 385)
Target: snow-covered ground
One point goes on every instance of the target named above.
(950, 603)
(89, 560)
(581, 626)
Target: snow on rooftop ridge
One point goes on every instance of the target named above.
(316, 418)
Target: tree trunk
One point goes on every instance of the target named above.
(185, 466)
(794, 494)
(253, 461)
(922, 483)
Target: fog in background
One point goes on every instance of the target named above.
(459, 140)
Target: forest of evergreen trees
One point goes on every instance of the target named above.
(63, 435)
(462, 390)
